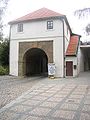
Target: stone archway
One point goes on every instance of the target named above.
(35, 63)
(44, 49)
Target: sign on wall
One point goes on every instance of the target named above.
(51, 69)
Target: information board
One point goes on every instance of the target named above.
(51, 69)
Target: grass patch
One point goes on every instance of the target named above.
(4, 70)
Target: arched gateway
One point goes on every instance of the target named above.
(34, 58)
(35, 62)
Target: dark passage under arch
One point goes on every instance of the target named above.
(35, 63)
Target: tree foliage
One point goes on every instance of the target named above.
(84, 13)
(3, 6)
(87, 29)
(4, 53)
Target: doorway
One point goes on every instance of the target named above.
(69, 68)
(35, 63)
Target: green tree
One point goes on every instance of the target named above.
(4, 53)
(3, 6)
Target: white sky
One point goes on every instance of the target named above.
(18, 8)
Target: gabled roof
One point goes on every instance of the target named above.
(73, 46)
(39, 14)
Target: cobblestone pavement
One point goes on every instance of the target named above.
(59, 99)
(12, 87)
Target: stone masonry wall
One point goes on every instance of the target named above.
(46, 46)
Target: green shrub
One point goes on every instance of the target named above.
(4, 70)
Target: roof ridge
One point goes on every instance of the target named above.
(37, 14)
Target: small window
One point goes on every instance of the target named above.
(20, 27)
(49, 24)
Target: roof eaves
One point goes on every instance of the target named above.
(78, 45)
(14, 22)
(76, 34)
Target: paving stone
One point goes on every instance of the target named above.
(20, 100)
(28, 96)
(20, 108)
(60, 95)
(63, 114)
(82, 86)
(88, 97)
(88, 93)
(86, 108)
(78, 93)
(70, 86)
(67, 89)
(29, 117)
(33, 118)
(34, 93)
(46, 94)
(56, 88)
(44, 88)
(69, 106)
(31, 102)
(50, 85)
(40, 98)
(40, 111)
(87, 101)
(46, 118)
(73, 101)
(6, 115)
(38, 91)
(55, 99)
(85, 116)
(76, 96)
(49, 104)
(50, 91)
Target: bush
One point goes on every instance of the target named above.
(4, 53)
(4, 70)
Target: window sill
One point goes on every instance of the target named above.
(20, 32)
(50, 29)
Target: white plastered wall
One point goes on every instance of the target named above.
(31, 33)
(80, 58)
(14, 58)
(66, 35)
(58, 56)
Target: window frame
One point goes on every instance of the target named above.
(50, 25)
(20, 27)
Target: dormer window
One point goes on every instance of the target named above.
(50, 24)
(20, 27)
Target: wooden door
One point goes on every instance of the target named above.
(69, 68)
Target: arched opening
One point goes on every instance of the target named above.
(35, 63)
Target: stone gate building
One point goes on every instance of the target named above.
(40, 38)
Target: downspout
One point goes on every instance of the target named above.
(63, 50)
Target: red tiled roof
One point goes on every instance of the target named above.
(72, 47)
(41, 13)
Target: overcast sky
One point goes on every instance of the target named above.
(18, 8)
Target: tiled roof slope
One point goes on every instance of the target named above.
(41, 13)
(73, 45)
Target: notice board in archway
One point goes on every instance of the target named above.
(51, 69)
